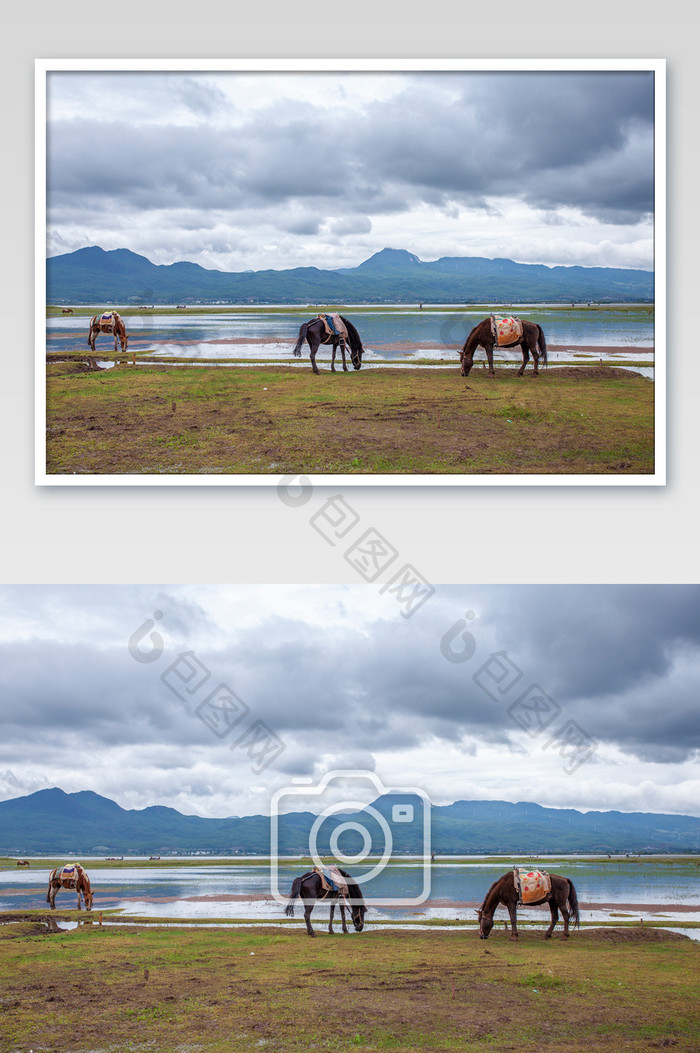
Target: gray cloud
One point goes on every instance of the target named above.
(554, 140)
(346, 684)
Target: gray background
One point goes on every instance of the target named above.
(487, 534)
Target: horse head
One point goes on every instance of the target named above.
(358, 917)
(356, 356)
(485, 924)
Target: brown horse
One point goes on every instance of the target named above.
(71, 876)
(108, 322)
(532, 342)
(561, 897)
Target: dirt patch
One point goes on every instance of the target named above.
(593, 372)
(631, 935)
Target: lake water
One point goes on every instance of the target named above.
(396, 335)
(645, 888)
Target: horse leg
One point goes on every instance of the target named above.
(512, 910)
(312, 356)
(489, 355)
(335, 348)
(555, 918)
(51, 898)
(565, 918)
(342, 351)
(342, 917)
(308, 907)
(526, 358)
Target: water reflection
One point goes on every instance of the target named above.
(390, 334)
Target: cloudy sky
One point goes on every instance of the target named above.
(252, 170)
(582, 697)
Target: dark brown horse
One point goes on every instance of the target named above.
(71, 876)
(532, 342)
(315, 333)
(309, 888)
(108, 322)
(562, 897)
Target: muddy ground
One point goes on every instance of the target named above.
(277, 420)
(100, 988)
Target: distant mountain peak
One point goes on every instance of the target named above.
(391, 258)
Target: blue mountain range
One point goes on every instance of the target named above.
(95, 276)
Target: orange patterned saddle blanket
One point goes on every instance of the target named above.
(532, 886)
(506, 331)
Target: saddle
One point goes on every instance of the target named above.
(334, 325)
(68, 875)
(332, 880)
(506, 330)
(106, 321)
(532, 886)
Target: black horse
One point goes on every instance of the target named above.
(315, 333)
(309, 888)
(532, 342)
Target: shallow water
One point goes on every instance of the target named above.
(628, 889)
(393, 334)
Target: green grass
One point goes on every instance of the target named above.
(213, 990)
(279, 420)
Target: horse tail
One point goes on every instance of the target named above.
(543, 349)
(300, 341)
(294, 894)
(572, 905)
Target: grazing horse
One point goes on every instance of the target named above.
(108, 322)
(310, 888)
(531, 341)
(315, 333)
(71, 876)
(561, 897)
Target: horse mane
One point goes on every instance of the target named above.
(489, 892)
(356, 345)
(354, 891)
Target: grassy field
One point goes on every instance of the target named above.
(177, 989)
(277, 420)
